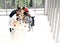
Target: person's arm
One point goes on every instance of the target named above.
(12, 13)
(28, 14)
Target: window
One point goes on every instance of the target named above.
(11, 4)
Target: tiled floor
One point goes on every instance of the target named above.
(41, 32)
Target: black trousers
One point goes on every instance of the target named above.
(33, 22)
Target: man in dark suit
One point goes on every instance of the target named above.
(12, 14)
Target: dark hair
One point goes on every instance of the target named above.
(23, 8)
(25, 13)
(18, 8)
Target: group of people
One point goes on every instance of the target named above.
(21, 14)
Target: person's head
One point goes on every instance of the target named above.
(19, 9)
(23, 8)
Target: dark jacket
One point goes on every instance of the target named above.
(12, 13)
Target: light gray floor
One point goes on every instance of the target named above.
(40, 34)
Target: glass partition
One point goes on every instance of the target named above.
(7, 5)
(11, 4)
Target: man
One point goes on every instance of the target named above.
(14, 12)
(13, 18)
(30, 19)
